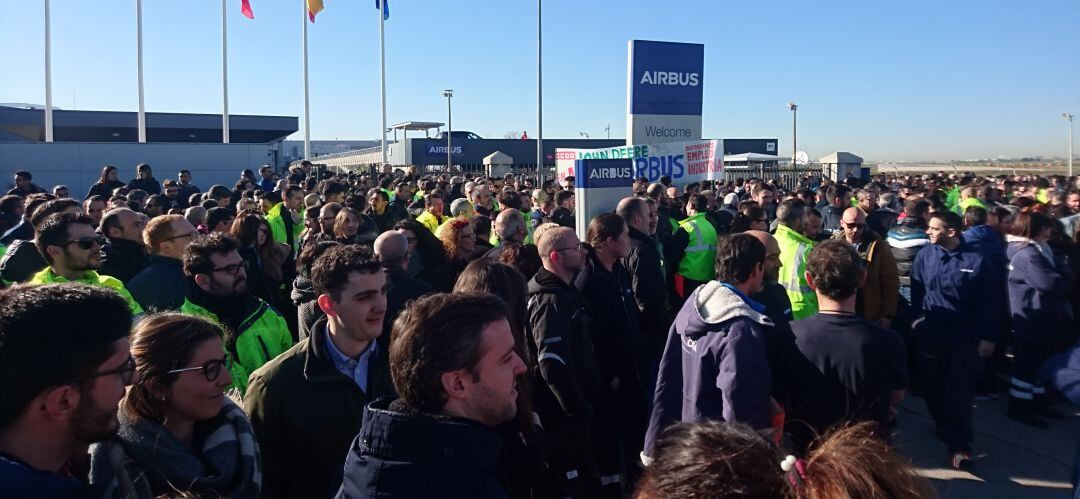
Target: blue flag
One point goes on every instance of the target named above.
(386, 13)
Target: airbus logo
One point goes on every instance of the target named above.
(670, 78)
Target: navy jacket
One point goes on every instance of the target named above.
(20, 480)
(714, 366)
(1038, 291)
(954, 291)
(406, 455)
(160, 286)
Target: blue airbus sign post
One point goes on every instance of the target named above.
(664, 91)
(598, 187)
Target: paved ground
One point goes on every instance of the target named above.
(1012, 460)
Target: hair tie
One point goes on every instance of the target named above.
(795, 471)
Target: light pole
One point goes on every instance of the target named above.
(449, 128)
(1069, 117)
(794, 131)
(583, 134)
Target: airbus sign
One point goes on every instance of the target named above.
(666, 86)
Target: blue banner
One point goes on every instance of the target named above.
(603, 173)
(667, 77)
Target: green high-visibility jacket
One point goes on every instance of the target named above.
(699, 261)
(92, 278)
(277, 226)
(262, 336)
(794, 249)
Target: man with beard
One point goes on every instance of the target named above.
(51, 411)
(217, 290)
(73, 252)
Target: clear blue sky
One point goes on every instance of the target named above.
(889, 81)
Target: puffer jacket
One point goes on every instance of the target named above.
(905, 240)
(1038, 291)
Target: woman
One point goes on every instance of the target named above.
(523, 437)
(427, 258)
(179, 432)
(303, 291)
(350, 227)
(459, 241)
(750, 218)
(106, 183)
(264, 256)
(1039, 287)
(605, 285)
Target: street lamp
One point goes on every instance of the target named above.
(583, 134)
(794, 131)
(449, 128)
(1069, 117)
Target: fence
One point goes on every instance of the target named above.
(790, 177)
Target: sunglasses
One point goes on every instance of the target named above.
(211, 369)
(87, 242)
(126, 372)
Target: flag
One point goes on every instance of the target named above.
(313, 7)
(245, 9)
(386, 13)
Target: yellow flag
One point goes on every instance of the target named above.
(313, 7)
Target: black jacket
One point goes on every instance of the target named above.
(906, 240)
(305, 413)
(21, 261)
(387, 220)
(406, 455)
(123, 259)
(160, 286)
(104, 190)
(21, 231)
(567, 377)
(617, 339)
(307, 309)
(150, 185)
(649, 283)
(401, 290)
(830, 218)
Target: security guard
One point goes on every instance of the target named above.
(698, 264)
(794, 248)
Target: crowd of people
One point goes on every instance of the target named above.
(311, 334)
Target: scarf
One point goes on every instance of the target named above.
(144, 460)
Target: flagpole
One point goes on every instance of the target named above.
(307, 117)
(539, 92)
(224, 76)
(139, 55)
(382, 70)
(48, 78)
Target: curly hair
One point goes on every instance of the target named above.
(449, 237)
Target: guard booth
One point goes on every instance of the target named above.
(498, 164)
(838, 166)
(599, 185)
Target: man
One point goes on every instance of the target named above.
(542, 206)
(773, 295)
(453, 362)
(952, 292)
(563, 214)
(171, 191)
(843, 369)
(907, 239)
(161, 286)
(23, 185)
(73, 252)
(714, 366)
(399, 202)
(568, 379)
(698, 236)
(220, 219)
(286, 218)
(380, 211)
(221, 195)
(392, 248)
(332, 191)
(22, 259)
(52, 410)
(125, 254)
(794, 247)
(61, 191)
(837, 198)
(306, 405)
(144, 180)
(217, 290)
(266, 181)
(432, 217)
(765, 197)
(509, 229)
(647, 278)
(186, 187)
(95, 207)
(877, 299)
(24, 230)
(462, 208)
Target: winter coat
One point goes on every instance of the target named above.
(305, 413)
(123, 259)
(407, 455)
(954, 292)
(649, 283)
(1038, 291)
(104, 190)
(307, 309)
(23, 231)
(715, 365)
(880, 293)
(905, 240)
(21, 261)
(401, 289)
(618, 343)
(161, 286)
(20, 480)
(150, 185)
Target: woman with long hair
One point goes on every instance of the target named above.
(459, 240)
(179, 430)
(106, 183)
(350, 227)
(524, 447)
(427, 258)
(266, 258)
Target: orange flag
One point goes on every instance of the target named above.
(313, 7)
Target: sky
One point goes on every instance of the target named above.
(889, 81)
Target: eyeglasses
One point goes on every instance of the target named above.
(211, 369)
(578, 246)
(232, 269)
(126, 372)
(190, 234)
(87, 242)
